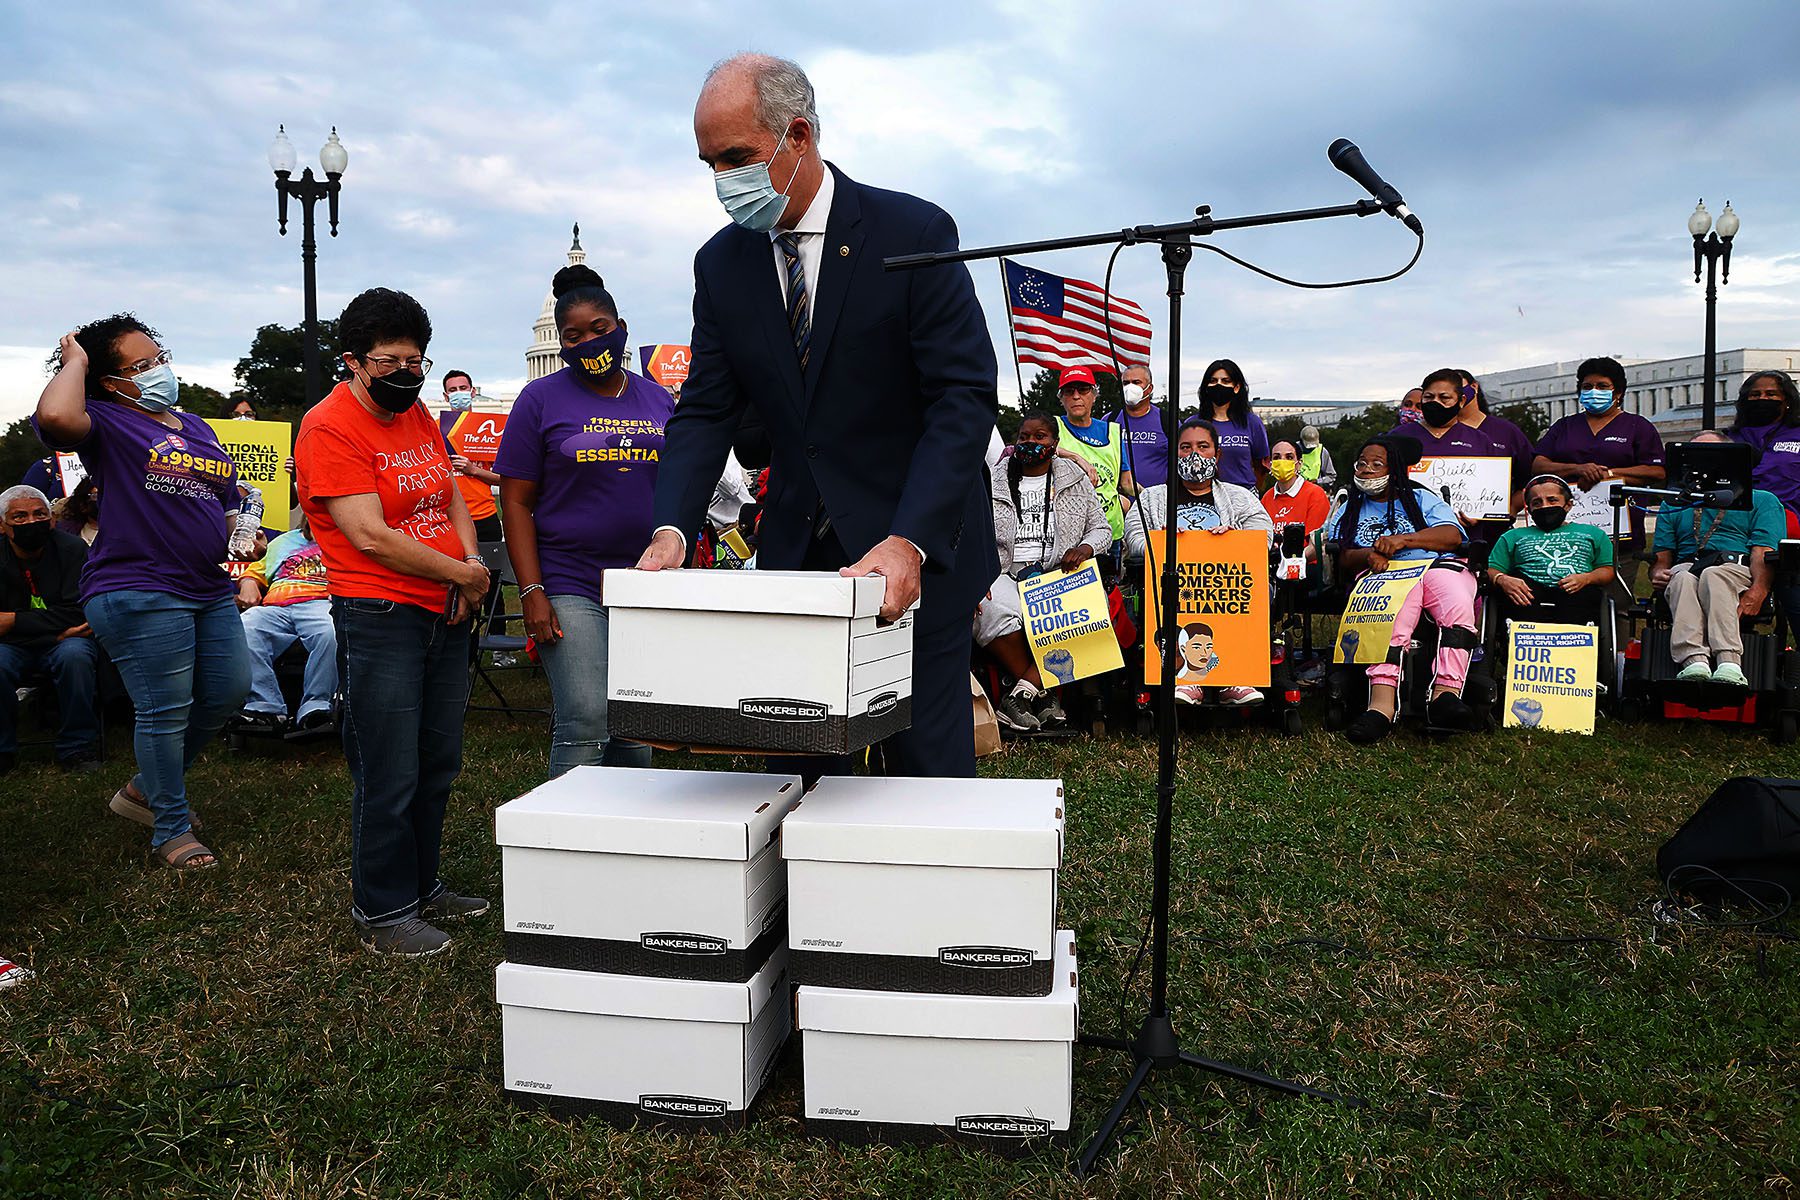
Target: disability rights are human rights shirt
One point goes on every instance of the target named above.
(346, 450)
(594, 459)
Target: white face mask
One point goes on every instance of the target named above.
(1371, 487)
(1134, 395)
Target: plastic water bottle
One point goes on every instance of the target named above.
(249, 521)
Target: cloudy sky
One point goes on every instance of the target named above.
(1554, 151)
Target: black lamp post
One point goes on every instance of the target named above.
(309, 191)
(1712, 247)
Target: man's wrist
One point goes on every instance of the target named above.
(679, 536)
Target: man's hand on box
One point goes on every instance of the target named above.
(666, 552)
(895, 560)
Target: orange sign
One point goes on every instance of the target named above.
(1222, 609)
(666, 364)
(476, 436)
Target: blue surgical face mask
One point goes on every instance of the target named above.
(749, 195)
(158, 389)
(460, 401)
(1596, 400)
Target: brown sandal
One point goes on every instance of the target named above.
(127, 803)
(180, 851)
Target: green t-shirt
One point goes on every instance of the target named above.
(1729, 530)
(1549, 557)
(1105, 460)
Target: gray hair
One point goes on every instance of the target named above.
(783, 92)
(23, 491)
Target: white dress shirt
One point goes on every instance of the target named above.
(811, 230)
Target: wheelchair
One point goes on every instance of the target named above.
(1347, 684)
(1651, 690)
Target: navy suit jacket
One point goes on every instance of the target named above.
(888, 427)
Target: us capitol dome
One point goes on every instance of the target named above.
(546, 346)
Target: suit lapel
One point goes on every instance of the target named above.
(843, 232)
(765, 297)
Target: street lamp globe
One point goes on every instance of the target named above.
(281, 153)
(1728, 222)
(333, 157)
(1700, 221)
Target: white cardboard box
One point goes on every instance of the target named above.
(893, 1066)
(679, 1052)
(646, 872)
(925, 885)
(783, 661)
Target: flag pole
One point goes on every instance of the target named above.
(1012, 334)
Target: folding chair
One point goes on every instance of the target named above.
(493, 615)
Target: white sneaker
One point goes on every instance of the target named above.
(1240, 695)
(1730, 674)
(1188, 695)
(12, 974)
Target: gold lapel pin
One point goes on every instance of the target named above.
(843, 252)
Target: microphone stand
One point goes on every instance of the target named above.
(1157, 1046)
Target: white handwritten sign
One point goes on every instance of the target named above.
(1594, 507)
(1478, 487)
(71, 470)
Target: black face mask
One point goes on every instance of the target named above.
(1031, 454)
(32, 536)
(396, 391)
(1760, 412)
(1548, 517)
(1437, 415)
(1217, 395)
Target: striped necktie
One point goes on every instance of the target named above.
(798, 314)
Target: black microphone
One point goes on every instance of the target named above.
(1347, 158)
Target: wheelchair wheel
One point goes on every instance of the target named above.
(1336, 715)
(1787, 728)
(1291, 723)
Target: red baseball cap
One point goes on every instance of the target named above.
(1075, 375)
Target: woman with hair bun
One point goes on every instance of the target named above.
(577, 467)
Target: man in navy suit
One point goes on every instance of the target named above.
(875, 389)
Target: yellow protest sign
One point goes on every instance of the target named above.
(1222, 610)
(1551, 673)
(1068, 625)
(260, 450)
(1368, 621)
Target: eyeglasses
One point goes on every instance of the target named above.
(387, 364)
(1369, 468)
(144, 364)
(1078, 389)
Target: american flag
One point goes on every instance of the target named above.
(1059, 322)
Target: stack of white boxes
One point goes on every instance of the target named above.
(937, 997)
(647, 975)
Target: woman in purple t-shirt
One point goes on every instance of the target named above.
(154, 591)
(577, 467)
(1243, 442)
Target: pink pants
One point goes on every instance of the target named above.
(1449, 596)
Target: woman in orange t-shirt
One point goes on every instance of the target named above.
(1291, 499)
(404, 577)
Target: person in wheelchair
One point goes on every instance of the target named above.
(1202, 501)
(283, 601)
(1389, 518)
(1551, 570)
(1714, 567)
(1047, 516)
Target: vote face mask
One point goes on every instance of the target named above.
(598, 358)
(1196, 468)
(1595, 400)
(396, 391)
(461, 401)
(1031, 454)
(1548, 517)
(1134, 395)
(1283, 469)
(158, 389)
(749, 195)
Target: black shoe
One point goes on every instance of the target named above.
(8, 760)
(265, 724)
(448, 906)
(1368, 728)
(85, 762)
(1449, 711)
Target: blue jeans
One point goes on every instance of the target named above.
(405, 677)
(269, 632)
(576, 666)
(74, 666)
(184, 663)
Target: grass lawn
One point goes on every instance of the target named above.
(1352, 920)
